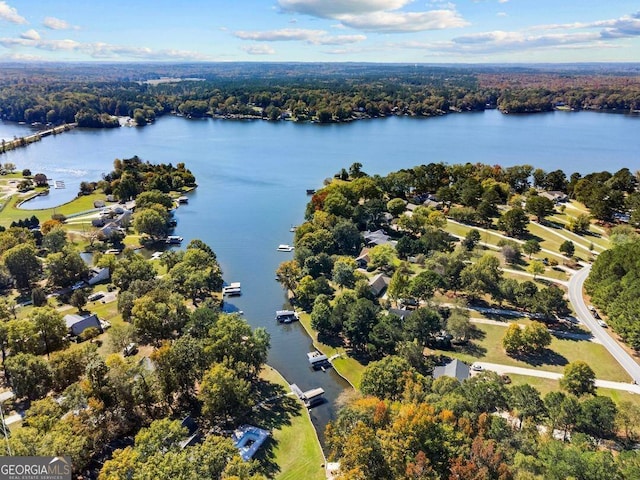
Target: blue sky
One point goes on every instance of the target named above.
(415, 31)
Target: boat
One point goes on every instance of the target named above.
(317, 360)
(285, 248)
(233, 289)
(286, 316)
(310, 191)
(183, 199)
(113, 251)
(293, 228)
(156, 255)
(174, 239)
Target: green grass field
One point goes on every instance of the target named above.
(345, 365)
(488, 348)
(293, 449)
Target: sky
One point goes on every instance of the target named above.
(405, 31)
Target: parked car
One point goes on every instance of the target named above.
(95, 296)
(476, 367)
(602, 323)
(130, 349)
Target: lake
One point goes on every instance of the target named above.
(252, 177)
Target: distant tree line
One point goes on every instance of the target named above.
(323, 94)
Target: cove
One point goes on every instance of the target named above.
(252, 178)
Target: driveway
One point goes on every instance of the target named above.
(531, 372)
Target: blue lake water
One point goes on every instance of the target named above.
(252, 178)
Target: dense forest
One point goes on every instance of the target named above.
(615, 287)
(92, 95)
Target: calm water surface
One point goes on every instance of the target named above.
(252, 178)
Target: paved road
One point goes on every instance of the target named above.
(582, 312)
(531, 372)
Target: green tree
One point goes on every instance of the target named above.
(386, 378)
(482, 277)
(158, 315)
(150, 222)
(458, 324)
(579, 224)
(400, 282)
(535, 268)
(55, 240)
(396, 206)
(51, 326)
(525, 403)
(424, 285)
(568, 248)
(223, 394)
(153, 197)
(23, 264)
(361, 316)
(578, 378)
(535, 337)
(66, 267)
(343, 273)
(514, 222)
(289, 274)
(531, 247)
(132, 267)
(381, 256)
(422, 325)
(512, 340)
(597, 417)
(539, 206)
(321, 315)
(471, 239)
(23, 336)
(79, 299)
(30, 375)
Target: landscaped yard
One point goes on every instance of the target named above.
(293, 449)
(488, 348)
(345, 365)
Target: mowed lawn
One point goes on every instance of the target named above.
(294, 446)
(345, 365)
(488, 348)
(546, 385)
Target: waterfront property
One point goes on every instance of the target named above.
(318, 360)
(286, 316)
(248, 439)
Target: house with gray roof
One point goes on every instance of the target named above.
(379, 284)
(453, 369)
(76, 324)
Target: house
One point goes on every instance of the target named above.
(247, 439)
(193, 432)
(379, 284)
(371, 239)
(403, 313)
(362, 261)
(76, 324)
(98, 204)
(412, 206)
(97, 275)
(555, 196)
(453, 369)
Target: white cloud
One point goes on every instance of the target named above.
(315, 37)
(396, 22)
(57, 24)
(102, 50)
(30, 35)
(10, 14)
(502, 14)
(259, 49)
(379, 15)
(503, 1)
(333, 8)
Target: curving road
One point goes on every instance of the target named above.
(584, 315)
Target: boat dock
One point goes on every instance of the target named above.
(310, 398)
(318, 361)
(233, 289)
